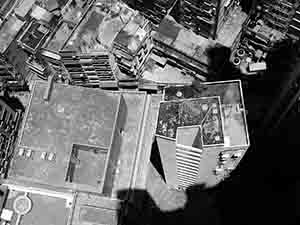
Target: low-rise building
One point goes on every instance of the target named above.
(110, 43)
(86, 148)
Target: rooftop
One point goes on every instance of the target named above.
(23, 7)
(33, 203)
(106, 24)
(33, 36)
(98, 27)
(9, 31)
(209, 116)
(59, 36)
(50, 5)
(158, 69)
(58, 127)
(175, 35)
(232, 104)
(84, 145)
(6, 6)
(204, 112)
(231, 28)
(131, 37)
(95, 210)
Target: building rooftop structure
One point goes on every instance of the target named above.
(269, 23)
(78, 155)
(71, 132)
(9, 31)
(23, 8)
(200, 125)
(171, 38)
(71, 16)
(10, 119)
(98, 28)
(155, 11)
(51, 5)
(6, 6)
(54, 43)
(161, 70)
(34, 36)
(230, 31)
(74, 10)
(71, 13)
(113, 32)
(28, 206)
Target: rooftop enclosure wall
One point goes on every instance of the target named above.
(114, 150)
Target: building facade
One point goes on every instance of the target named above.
(10, 119)
(207, 17)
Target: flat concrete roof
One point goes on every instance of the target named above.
(59, 36)
(231, 28)
(47, 207)
(93, 209)
(74, 115)
(107, 131)
(158, 69)
(175, 35)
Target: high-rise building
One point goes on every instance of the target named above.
(201, 133)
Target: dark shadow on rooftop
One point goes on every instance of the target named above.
(156, 160)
